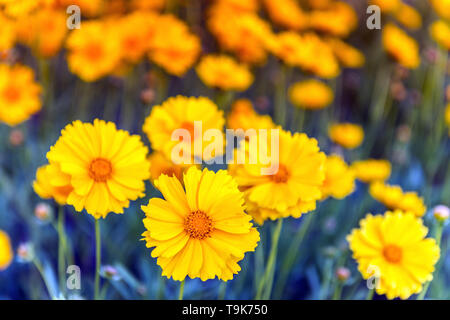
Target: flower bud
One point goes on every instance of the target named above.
(342, 273)
(110, 272)
(43, 211)
(441, 213)
(25, 252)
(16, 137)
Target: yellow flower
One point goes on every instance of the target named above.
(243, 116)
(135, 32)
(442, 7)
(19, 8)
(239, 5)
(387, 6)
(173, 46)
(223, 72)
(310, 94)
(408, 16)
(143, 5)
(304, 51)
(339, 19)
(246, 35)
(89, 8)
(290, 191)
(6, 252)
(440, 32)
(319, 4)
(347, 55)
(181, 113)
(106, 167)
(339, 178)
(287, 13)
(315, 49)
(393, 197)
(393, 248)
(348, 135)
(372, 170)
(19, 94)
(201, 232)
(159, 165)
(7, 33)
(47, 33)
(94, 50)
(51, 182)
(400, 46)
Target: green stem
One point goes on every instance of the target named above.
(292, 254)
(438, 237)
(38, 265)
(370, 294)
(222, 291)
(267, 279)
(61, 250)
(180, 294)
(280, 97)
(338, 290)
(97, 259)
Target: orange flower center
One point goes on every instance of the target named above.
(189, 126)
(100, 170)
(282, 175)
(11, 94)
(392, 253)
(94, 51)
(198, 225)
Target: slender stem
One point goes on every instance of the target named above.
(61, 250)
(438, 236)
(98, 259)
(180, 294)
(370, 294)
(38, 265)
(222, 291)
(280, 97)
(292, 254)
(162, 288)
(338, 290)
(267, 279)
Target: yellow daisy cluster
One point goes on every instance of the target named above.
(290, 191)
(96, 167)
(347, 135)
(223, 72)
(392, 249)
(310, 94)
(200, 231)
(393, 197)
(19, 94)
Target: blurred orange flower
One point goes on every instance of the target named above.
(93, 50)
(348, 135)
(223, 72)
(400, 46)
(19, 94)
